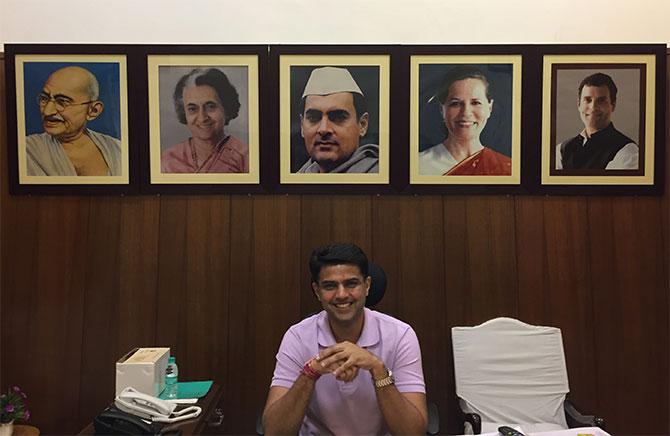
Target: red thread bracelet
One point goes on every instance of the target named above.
(309, 372)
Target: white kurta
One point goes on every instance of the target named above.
(46, 157)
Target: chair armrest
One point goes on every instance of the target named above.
(473, 418)
(576, 419)
(475, 421)
(433, 419)
(259, 422)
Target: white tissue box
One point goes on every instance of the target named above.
(143, 369)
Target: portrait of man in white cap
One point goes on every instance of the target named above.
(334, 121)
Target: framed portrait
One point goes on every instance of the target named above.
(71, 121)
(203, 119)
(465, 119)
(598, 119)
(334, 114)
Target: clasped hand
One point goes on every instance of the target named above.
(343, 360)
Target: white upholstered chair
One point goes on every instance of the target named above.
(512, 373)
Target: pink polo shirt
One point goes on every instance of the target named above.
(349, 408)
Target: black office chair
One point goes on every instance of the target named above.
(377, 285)
(375, 294)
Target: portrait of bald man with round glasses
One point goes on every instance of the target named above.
(67, 102)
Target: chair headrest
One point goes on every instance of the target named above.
(377, 285)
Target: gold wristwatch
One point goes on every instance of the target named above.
(385, 381)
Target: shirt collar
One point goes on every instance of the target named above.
(596, 134)
(369, 335)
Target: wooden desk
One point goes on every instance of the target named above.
(209, 421)
(589, 431)
(25, 430)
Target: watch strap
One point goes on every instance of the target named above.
(384, 381)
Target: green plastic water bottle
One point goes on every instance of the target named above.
(171, 375)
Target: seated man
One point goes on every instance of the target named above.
(348, 369)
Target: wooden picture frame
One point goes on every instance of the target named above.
(134, 113)
(494, 80)
(236, 159)
(569, 153)
(68, 108)
(372, 73)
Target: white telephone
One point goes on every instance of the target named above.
(155, 409)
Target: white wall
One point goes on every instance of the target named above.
(335, 21)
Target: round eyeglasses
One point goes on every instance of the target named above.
(61, 102)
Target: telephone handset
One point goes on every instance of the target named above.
(112, 421)
(155, 409)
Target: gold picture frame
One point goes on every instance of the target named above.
(634, 114)
(40, 161)
(165, 130)
(427, 130)
(372, 72)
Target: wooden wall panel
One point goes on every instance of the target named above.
(665, 201)
(20, 221)
(57, 309)
(491, 261)
(664, 352)
(568, 301)
(351, 220)
(277, 290)
(422, 288)
(479, 275)
(241, 387)
(172, 274)
(631, 307)
(220, 278)
(316, 225)
(138, 261)
(204, 301)
(458, 305)
(100, 348)
(456, 263)
(531, 259)
(385, 231)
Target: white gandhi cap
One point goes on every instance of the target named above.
(329, 80)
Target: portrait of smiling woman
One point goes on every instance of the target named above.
(206, 101)
(465, 106)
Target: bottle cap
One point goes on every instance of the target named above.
(171, 359)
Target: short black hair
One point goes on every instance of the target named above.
(215, 78)
(598, 79)
(360, 105)
(337, 254)
(461, 73)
